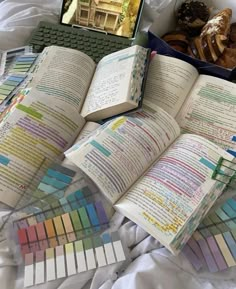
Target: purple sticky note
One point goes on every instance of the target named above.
(207, 255)
(22, 224)
(220, 261)
(196, 249)
(193, 259)
(102, 216)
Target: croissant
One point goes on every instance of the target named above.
(219, 24)
(208, 48)
(177, 40)
(228, 59)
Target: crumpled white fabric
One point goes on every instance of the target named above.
(148, 265)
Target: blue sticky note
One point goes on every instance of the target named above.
(230, 242)
(57, 175)
(65, 205)
(232, 203)
(93, 216)
(73, 202)
(54, 182)
(106, 238)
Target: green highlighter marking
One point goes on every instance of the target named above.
(29, 110)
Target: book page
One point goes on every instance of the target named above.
(37, 132)
(165, 198)
(169, 82)
(88, 128)
(122, 149)
(111, 87)
(64, 73)
(210, 111)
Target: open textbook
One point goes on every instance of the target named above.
(150, 172)
(113, 86)
(65, 88)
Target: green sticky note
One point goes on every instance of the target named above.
(97, 241)
(6, 87)
(4, 92)
(79, 246)
(84, 217)
(11, 83)
(88, 243)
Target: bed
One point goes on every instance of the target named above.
(148, 265)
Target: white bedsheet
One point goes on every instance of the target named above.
(149, 266)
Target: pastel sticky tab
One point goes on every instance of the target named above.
(196, 249)
(68, 227)
(89, 253)
(60, 262)
(41, 233)
(46, 188)
(76, 224)
(50, 233)
(79, 195)
(54, 182)
(232, 203)
(225, 250)
(73, 202)
(23, 224)
(99, 251)
(31, 233)
(102, 216)
(64, 170)
(208, 256)
(16, 78)
(50, 264)
(230, 242)
(22, 236)
(80, 257)
(85, 220)
(32, 220)
(216, 253)
(60, 230)
(70, 259)
(65, 205)
(118, 248)
(86, 191)
(29, 270)
(108, 249)
(193, 259)
(93, 216)
(39, 267)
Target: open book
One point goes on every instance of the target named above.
(150, 172)
(66, 89)
(114, 86)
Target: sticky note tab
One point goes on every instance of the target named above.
(39, 267)
(29, 270)
(50, 264)
(70, 259)
(80, 256)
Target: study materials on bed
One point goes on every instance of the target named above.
(8, 56)
(65, 229)
(96, 28)
(114, 86)
(72, 258)
(64, 87)
(153, 175)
